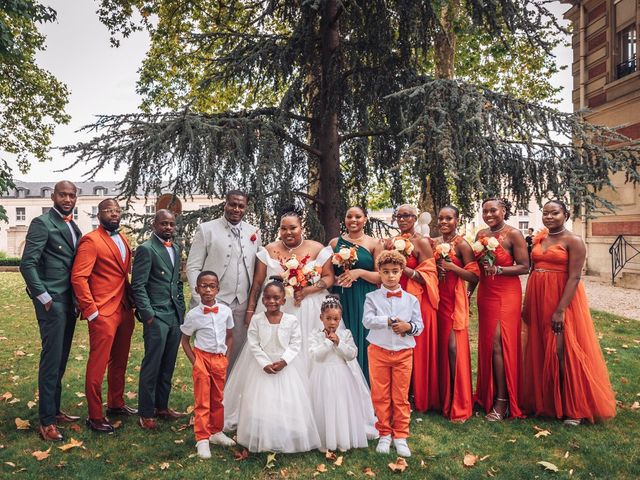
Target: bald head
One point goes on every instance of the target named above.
(164, 224)
(64, 185)
(64, 197)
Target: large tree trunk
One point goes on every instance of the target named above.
(329, 142)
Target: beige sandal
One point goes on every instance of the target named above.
(494, 416)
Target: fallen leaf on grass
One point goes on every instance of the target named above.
(470, 460)
(4, 338)
(338, 462)
(13, 400)
(635, 406)
(78, 357)
(284, 473)
(164, 465)
(72, 444)
(31, 404)
(512, 440)
(400, 466)
(62, 464)
(541, 432)
(321, 468)
(19, 353)
(178, 442)
(6, 396)
(80, 395)
(368, 472)
(623, 380)
(75, 427)
(41, 454)
(241, 455)
(329, 455)
(117, 424)
(492, 472)
(548, 466)
(190, 409)
(271, 460)
(566, 454)
(22, 424)
(131, 395)
(484, 458)
(11, 464)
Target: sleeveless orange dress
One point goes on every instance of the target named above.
(424, 378)
(584, 391)
(499, 303)
(453, 316)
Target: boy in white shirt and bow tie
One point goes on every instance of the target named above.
(393, 319)
(212, 325)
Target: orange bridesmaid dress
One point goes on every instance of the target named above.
(453, 316)
(424, 378)
(584, 391)
(499, 303)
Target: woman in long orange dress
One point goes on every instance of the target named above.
(499, 314)
(454, 356)
(420, 278)
(565, 373)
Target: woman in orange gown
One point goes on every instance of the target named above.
(499, 312)
(420, 278)
(454, 357)
(565, 373)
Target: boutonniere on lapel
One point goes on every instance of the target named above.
(254, 237)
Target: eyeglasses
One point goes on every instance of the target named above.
(111, 211)
(402, 216)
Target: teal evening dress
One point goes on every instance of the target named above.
(352, 300)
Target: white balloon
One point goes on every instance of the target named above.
(424, 218)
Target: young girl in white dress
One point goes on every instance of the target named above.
(339, 394)
(274, 413)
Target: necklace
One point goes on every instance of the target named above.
(355, 240)
(292, 248)
(557, 233)
(449, 240)
(501, 228)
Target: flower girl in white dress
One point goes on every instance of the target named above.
(340, 397)
(274, 413)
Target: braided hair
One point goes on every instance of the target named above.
(503, 202)
(330, 301)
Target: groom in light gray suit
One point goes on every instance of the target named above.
(228, 246)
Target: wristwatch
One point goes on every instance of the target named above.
(498, 270)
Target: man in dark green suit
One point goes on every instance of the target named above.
(46, 267)
(157, 291)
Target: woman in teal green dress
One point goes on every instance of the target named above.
(361, 278)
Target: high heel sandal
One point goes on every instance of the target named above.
(494, 416)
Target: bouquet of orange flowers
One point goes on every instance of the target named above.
(485, 249)
(298, 274)
(403, 245)
(346, 257)
(442, 251)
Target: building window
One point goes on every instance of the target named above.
(627, 51)
(524, 228)
(21, 214)
(100, 191)
(522, 213)
(45, 192)
(149, 209)
(21, 193)
(75, 214)
(45, 210)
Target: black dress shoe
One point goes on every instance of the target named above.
(124, 410)
(101, 425)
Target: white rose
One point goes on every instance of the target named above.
(409, 247)
(335, 260)
(292, 263)
(477, 247)
(345, 253)
(445, 248)
(293, 281)
(492, 243)
(399, 245)
(288, 291)
(307, 269)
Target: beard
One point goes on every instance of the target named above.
(110, 227)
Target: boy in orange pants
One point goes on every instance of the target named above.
(393, 319)
(212, 326)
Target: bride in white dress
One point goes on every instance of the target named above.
(305, 304)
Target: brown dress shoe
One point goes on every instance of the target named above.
(62, 417)
(50, 432)
(148, 423)
(101, 425)
(168, 414)
(123, 410)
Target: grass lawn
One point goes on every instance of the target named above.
(504, 450)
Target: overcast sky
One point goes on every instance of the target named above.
(102, 79)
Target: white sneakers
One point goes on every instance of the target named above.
(203, 449)
(400, 444)
(221, 439)
(401, 447)
(384, 444)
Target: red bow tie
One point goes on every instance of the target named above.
(168, 244)
(67, 218)
(211, 309)
(394, 294)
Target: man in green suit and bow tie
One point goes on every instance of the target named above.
(157, 290)
(46, 267)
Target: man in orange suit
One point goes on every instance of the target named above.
(101, 285)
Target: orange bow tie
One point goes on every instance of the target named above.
(168, 244)
(211, 309)
(67, 218)
(397, 294)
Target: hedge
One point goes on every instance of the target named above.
(10, 262)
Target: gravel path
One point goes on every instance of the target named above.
(607, 298)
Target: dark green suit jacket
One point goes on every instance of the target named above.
(48, 257)
(156, 284)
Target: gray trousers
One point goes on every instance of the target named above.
(239, 330)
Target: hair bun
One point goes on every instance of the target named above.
(330, 301)
(291, 210)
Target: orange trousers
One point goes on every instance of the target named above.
(209, 375)
(390, 376)
(109, 343)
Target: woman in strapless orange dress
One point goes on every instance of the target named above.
(499, 315)
(420, 278)
(565, 373)
(454, 356)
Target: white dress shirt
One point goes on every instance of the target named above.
(117, 239)
(210, 329)
(378, 308)
(172, 254)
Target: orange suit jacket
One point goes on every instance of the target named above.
(99, 277)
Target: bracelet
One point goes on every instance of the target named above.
(250, 311)
(498, 270)
(414, 275)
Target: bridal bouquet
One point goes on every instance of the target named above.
(485, 249)
(346, 257)
(403, 245)
(298, 274)
(442, 251)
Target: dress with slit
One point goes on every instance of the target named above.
(584, 391)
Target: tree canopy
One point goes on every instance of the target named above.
(311, 100)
